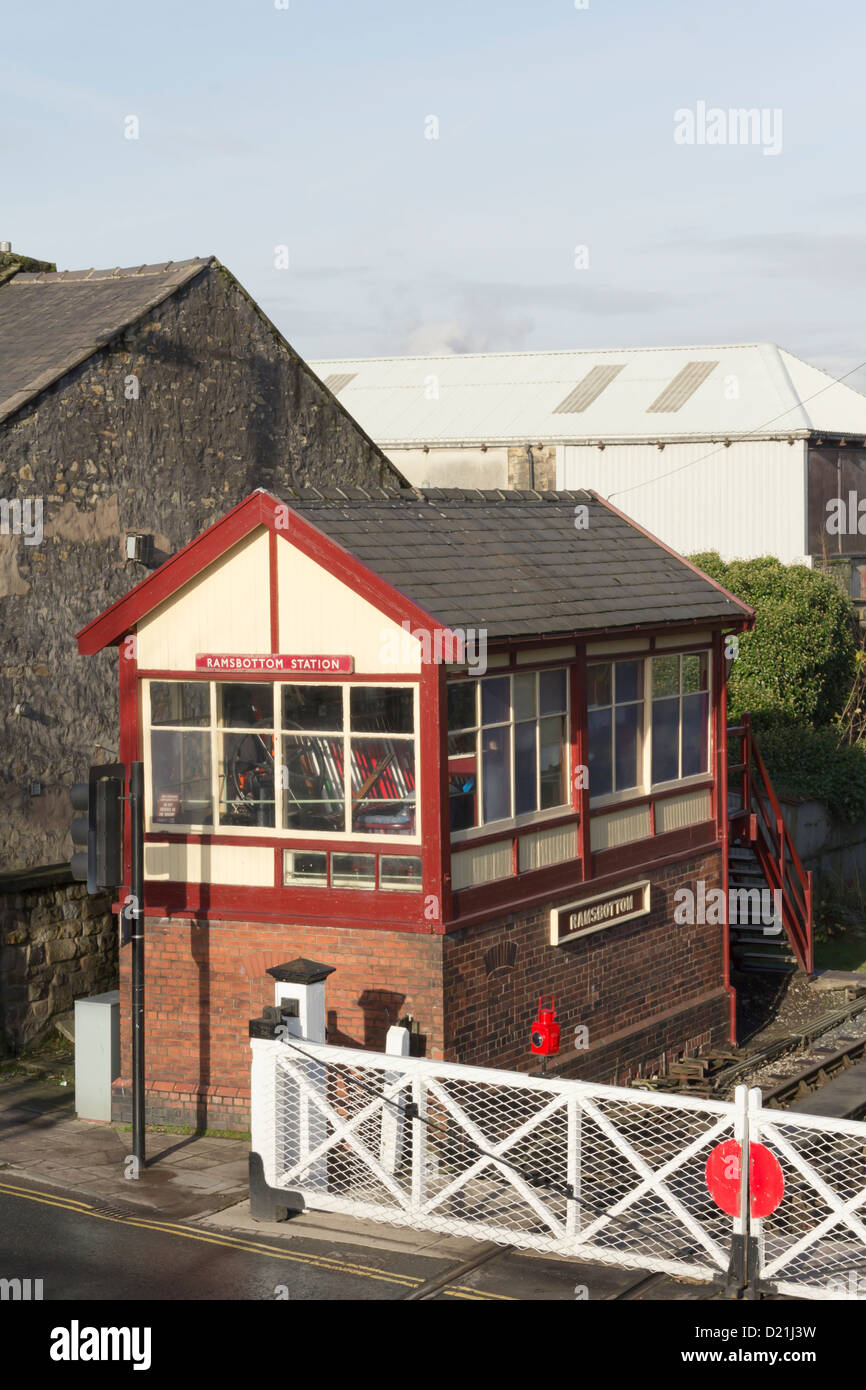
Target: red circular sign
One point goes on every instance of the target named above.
(766, 1180)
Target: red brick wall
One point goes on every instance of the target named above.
(642, 988)
(645, 989)
(205, 980)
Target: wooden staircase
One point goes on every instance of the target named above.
(762, 857)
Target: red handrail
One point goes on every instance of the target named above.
(773, 845)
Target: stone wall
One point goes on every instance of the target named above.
(224, 406)
(56, 945)
(543, 467)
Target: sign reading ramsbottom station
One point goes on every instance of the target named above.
(273, 663)
(594, 914)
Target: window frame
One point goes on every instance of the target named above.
(526, 818)
(646, 788)
(277, 832)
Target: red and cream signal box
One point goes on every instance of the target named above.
(404, 733)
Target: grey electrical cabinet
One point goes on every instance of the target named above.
(97, 1054)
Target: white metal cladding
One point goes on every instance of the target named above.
(613, 1175)
(745, 500)
(814, 1244)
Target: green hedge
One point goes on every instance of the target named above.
(799, 659)
(808, 762)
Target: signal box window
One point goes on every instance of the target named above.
(180, 753)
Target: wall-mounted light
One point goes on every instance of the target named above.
(139, 547)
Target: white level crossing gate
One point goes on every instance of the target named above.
(601, 1173)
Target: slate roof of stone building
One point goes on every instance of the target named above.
(50, 322)
(514, 562)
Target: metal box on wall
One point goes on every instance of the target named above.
(97, 1054)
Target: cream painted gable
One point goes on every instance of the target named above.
(225, 609)
(318, 614)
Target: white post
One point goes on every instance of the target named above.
(419, 1145)
(262, 1110)
(393, 1124)
(572, 1213)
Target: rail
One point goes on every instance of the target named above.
(760, 821)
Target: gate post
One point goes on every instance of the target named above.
(755, 1227)
(738, 1269)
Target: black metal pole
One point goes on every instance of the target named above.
(136, 808)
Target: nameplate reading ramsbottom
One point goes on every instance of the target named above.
(272, 663)
(594, 914)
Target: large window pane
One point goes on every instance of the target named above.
(181, 777)
(524, 697)
(313, 707)
(600, 761)
(627, 743)
(496, 774)
(463, 800)
(245, 706)
(695, 748)
(552, 761)
(495, 703)
(383, 785)
(461, 705)
(525, 768)
(666, 676)
(629, 681)
(599, 685)
(694, 672)
(247, 780)
(551, 692)
(375, 709)
(312, 780)
(665, 750)
(180, 702)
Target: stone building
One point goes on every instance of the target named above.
(136, 406)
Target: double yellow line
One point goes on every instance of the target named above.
(174, 1228)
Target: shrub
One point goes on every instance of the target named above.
(808, 762)
(799, 659)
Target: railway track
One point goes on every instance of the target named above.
(716, 1076)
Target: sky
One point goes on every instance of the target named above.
(398, 177)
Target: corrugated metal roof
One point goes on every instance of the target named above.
(588, 390)
(490, 398)
(684, 385)
(337, 380)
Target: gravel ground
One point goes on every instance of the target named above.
(771, 1009)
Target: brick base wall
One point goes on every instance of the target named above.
(646, 990)
(205, 980)
(642, 988)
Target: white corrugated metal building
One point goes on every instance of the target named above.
(708, 447)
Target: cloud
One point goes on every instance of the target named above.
(502, 316)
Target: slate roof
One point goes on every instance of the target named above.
(49, 322)
(514, 562)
